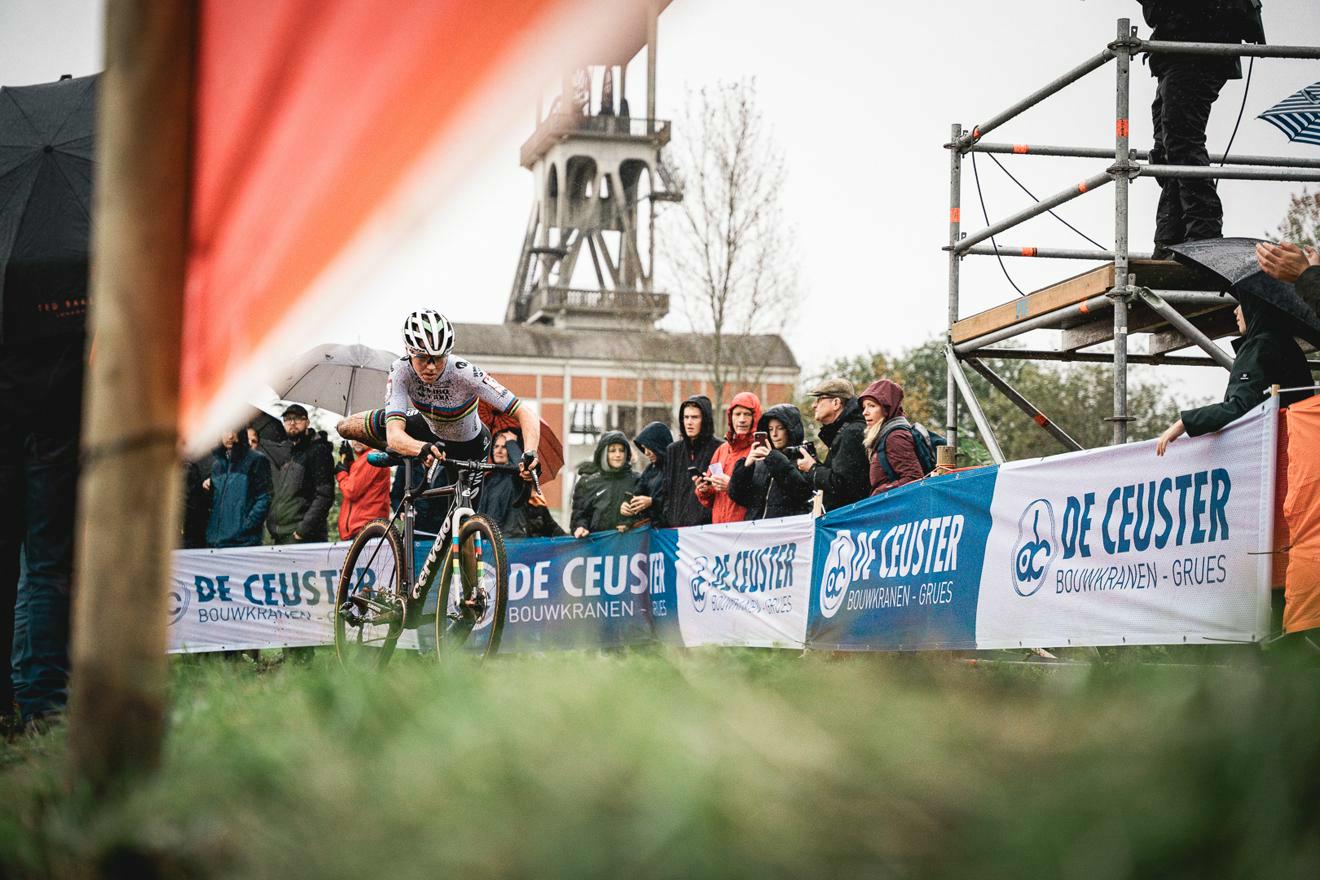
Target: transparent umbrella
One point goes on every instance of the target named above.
(340, 378)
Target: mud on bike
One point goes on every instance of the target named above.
(379, 595)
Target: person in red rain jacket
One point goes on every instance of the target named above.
(741, 416)
(882, 408)
(365, 489)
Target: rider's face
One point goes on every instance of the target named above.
(428, 367)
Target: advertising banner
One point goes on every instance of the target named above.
(901, 571)
(253, 597)
(597, 592)
(1107, 547)
(1120, 546)
(742, 583)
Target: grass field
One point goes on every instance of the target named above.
(722, 763)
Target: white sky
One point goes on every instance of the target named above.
(860, 95)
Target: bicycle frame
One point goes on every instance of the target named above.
(418, 584)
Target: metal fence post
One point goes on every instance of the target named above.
(1122, 284)
(955, 224)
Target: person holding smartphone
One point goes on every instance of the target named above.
(741, 416)
(767, 482)
(609, 489)
(686, 460)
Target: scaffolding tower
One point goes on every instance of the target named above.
(1129, 293)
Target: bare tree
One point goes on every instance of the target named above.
(728, 247)
(1301, 224)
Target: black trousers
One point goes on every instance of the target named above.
(1189, 209)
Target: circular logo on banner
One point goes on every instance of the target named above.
(1035, 548)
(180, 596)
(697, 585)
(838, 575)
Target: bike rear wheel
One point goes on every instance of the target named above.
(368, 601)
(474, 594)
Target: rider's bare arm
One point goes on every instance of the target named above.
(354, 427)
(530, 423)
(398, 440)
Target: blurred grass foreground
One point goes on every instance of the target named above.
(697, 764)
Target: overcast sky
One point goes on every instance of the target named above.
(860, 96)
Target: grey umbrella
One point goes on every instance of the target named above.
(1234, 261)
(339, 378)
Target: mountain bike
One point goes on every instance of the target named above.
(379, 595)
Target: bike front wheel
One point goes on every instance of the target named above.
(474, 591)
(368, 601)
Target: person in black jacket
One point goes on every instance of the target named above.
(1266, 355)
(653, 440)
(766, 481)
(1189, 208)
(845, 475)
(693, 449)
(605, 491)
(304, 485)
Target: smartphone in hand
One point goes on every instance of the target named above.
(760, 438)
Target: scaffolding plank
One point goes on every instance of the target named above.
(1216, 324)
(1065, 293)
(1140, 320)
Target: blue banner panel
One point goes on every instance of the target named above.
(901, 571)
(595, 592)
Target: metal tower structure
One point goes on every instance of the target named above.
(1128, 293)
(581, 265)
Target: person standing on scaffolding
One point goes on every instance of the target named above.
(1189, 208)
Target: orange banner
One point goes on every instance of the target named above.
(321, 131)
(1301, 508)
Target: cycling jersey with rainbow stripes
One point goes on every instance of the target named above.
(449, 404)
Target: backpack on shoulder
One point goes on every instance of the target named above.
(924, 439)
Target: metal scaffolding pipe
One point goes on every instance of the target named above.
(1185, 327)
(1291, 174)
(973, 405)
(1122, 279)
(1100, 357)
(1140, 155)
(1035, 210)
(955, 227)
(1044, 253)
(1034, 98)
(1025, 405)
(1240, 50)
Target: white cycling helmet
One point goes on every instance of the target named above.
(427, 332)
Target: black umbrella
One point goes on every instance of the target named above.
(46, 137)
(1234, 260)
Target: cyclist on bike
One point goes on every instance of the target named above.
(444, 391)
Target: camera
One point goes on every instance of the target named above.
(793, 451)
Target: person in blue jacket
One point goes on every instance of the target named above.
(240, 486)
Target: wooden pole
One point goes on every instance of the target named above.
(129, 489)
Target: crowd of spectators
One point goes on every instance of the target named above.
(765, 467)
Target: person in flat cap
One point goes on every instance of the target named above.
(844, 476)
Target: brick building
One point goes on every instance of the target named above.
(586, 382)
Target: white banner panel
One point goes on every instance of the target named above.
(255, 597)
(1118, 546)
(745, 583)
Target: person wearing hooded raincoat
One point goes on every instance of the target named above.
(889, 444)
(605, 492)
(694, 447)
(766, 482)
(1266, 354)
(713, 491)
(653, 440)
